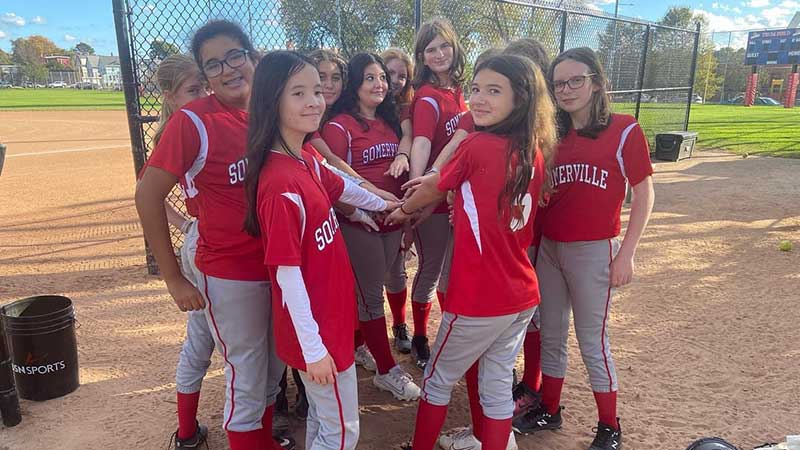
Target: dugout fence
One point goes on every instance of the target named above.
(651, 67)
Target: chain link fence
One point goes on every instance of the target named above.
(650, 67)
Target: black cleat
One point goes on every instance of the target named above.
(537, 420)
(198, 439)
(420, 350)
(401, 340)
(525, 399)
(286, 442)
(607, 438)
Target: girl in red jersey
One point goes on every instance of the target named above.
(401, 67)
(498, 174)
(437, 106)
(364, 131)
(181, 82)
(581, 261)
(203, 146)
(290, 205)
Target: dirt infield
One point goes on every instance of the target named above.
(706, 339)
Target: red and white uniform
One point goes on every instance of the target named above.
(214, 180)
(299, 228)
(467, 123)
(484, 243)
(589, 178)
(435, 113)
(369, 152)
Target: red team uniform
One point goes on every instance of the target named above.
(295, 199)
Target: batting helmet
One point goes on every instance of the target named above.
(713, 443)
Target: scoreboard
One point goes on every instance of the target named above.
(773, 47)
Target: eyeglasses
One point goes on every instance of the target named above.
(236, 58)
(576, 82)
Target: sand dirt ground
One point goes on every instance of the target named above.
(706, 339)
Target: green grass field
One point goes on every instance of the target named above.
(60, 99)
(765, 130)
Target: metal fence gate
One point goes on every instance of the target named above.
(651, 67)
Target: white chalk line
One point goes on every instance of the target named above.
(71, 150)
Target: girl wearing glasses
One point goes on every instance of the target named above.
(435, 111)
(581, 261)
(203, 147)
(365, 132)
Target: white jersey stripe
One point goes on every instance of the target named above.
(472, 213)
(297, 200)
(349, 158)
(622, 144)
(435, 105)
(202, 154)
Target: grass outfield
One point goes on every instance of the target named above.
(765, 130)
(60, 99)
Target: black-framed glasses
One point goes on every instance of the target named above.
(235, 58)
(575, 82)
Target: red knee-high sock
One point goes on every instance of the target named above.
(421, 312)
(607, 408)
(250, 440)
(397, 303)
(441, 295)
(187, 414)
(430, 419)
(266, 419)
(495, 433)
(358, 338)
(378, 342)
(551, 393)
(475, 409)
(532, 349)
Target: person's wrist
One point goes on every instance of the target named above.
(404, 211)
(402, 154)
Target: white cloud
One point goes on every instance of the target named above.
(724, 7)
(69, 38)
(757, 3)
(39, 20)
(777, 16)
(12, 19)
(3, 35)
(790, 4)
(719, 22)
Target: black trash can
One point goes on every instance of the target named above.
(44, 350)
(675, 145)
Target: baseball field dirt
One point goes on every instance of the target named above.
(705, 339)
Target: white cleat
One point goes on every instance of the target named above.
(463, 439)
(364, 358)
(399, 383)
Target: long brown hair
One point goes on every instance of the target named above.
(405, 96)
(529, 126)
(427, 33)
(600, 113)
(321, 55)
(172, 72)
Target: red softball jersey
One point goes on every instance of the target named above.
(204, 146)
(435, 113)
(589, 177)
(491, 274)
(369, 152)
(299, 228)
(467, 123)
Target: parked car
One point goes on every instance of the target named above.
(697, 99)
(57, 84)
(5, 85)
(759, 101)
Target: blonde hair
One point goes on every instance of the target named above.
(405, 96)
(172, 72)
(427, 33)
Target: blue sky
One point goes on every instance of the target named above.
(68, 23)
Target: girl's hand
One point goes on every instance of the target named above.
(423, 214)
(408, 238)
(386, 195)
(323, 371)
(392, 205)
(397, 217)
(186, 296)
(621, 270)
(399, 166)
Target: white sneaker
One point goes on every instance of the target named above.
(399, 383)
(364, 358)
(463, 439)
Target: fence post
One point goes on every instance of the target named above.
(563, 41)
(691, 75)
(640, 82)
(129, 87)
(417, 15)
